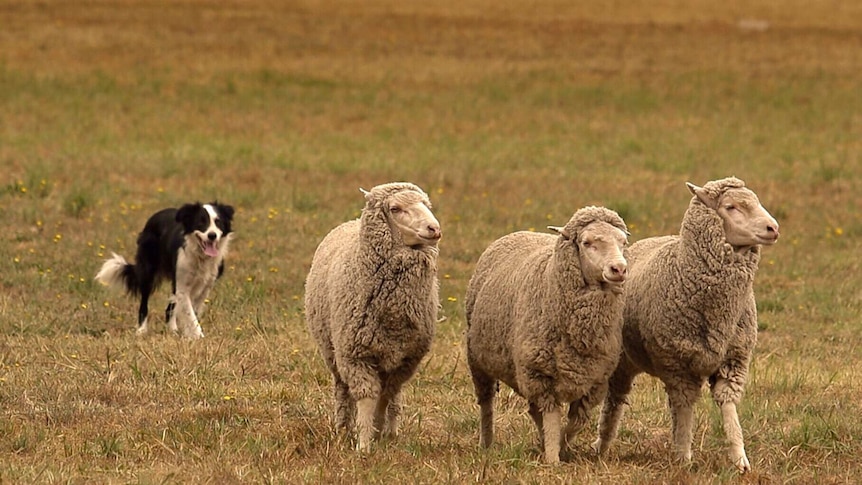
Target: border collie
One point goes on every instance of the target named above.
(187, 245)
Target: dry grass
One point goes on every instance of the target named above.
(510, 117)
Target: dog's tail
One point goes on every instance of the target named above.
(119, 273)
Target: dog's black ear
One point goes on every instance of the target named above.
(187, 214)
(226, 211)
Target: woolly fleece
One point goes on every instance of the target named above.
(538, 324)
(371, 304)
(690, 316)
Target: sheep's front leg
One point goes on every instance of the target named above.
(727, 387)
(365, 389)
(536, 384)
(365, 410)
(733, 431)
(551, 421)
(682, 396)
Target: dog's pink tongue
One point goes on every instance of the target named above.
(210, 249)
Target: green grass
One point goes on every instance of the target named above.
(510, 119)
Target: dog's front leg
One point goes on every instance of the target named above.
(171, 314)
(191, 327)
(199, 303)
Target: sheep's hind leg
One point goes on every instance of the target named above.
(393, 413)
(579, 414)
(485, 387)
(345, 407)
(619, 387)
(386, 416)
(389, 407)
(536, 414)
(380, 411)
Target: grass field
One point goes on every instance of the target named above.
(511, 115)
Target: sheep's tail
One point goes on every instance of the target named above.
(117, 272)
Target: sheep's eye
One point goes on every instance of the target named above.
(586, 244)
(394, 209)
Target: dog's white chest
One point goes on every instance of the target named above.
(194, 273)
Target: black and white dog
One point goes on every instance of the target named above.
(187, 245)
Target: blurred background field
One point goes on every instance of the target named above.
(511, 115)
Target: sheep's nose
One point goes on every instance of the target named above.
(773, 229)
(211, 236)
(434, 231)
(616, 272)
(619, 269)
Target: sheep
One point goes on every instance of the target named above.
(690, 313)
(371, 304)
(544, 315)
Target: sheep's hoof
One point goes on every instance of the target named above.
(552, 460)
(390, 433)
(552, 456)
(684, 456)
(598, 447)
(742, 465)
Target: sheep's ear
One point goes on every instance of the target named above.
(702, 195)
(366, 194)
(561, 231)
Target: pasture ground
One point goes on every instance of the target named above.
(510, 115)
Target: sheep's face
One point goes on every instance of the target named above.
(746, 222)
(410, 214)
(601, 253)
